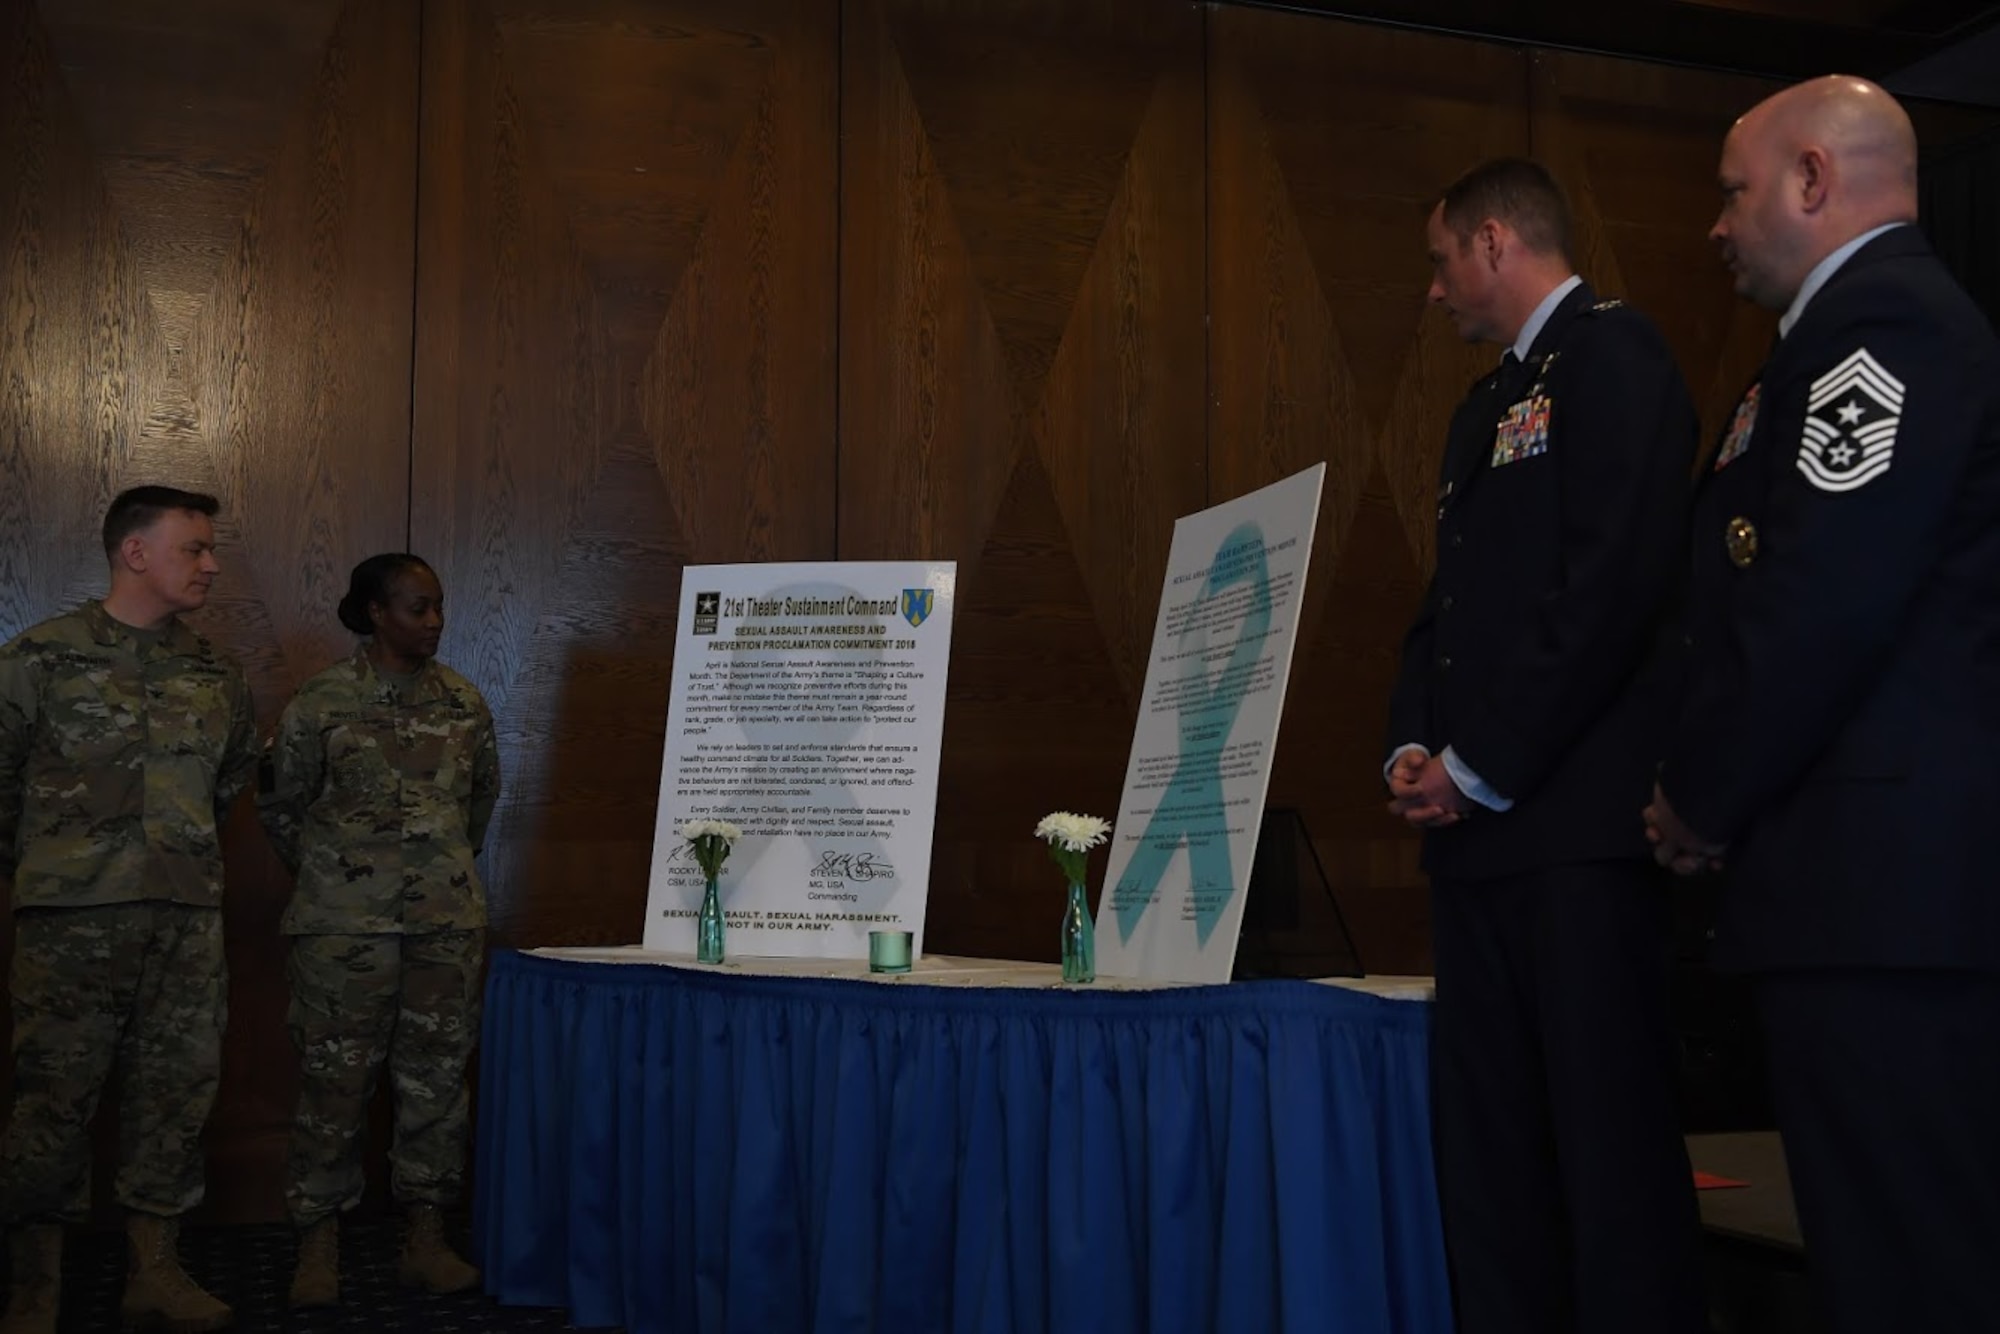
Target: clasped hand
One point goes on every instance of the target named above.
(1675, 845)
(1423, 793)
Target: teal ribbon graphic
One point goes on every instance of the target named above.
(1190, 809)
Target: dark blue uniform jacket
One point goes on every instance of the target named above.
(1841, 730)
(1561, 542)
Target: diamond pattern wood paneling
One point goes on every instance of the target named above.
(624, 363)
(1021, 382)
(1013, 282)
(205, 218)
(1636, 148)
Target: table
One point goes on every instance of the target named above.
(969, 1148)
(1756, 1256)
(1761, 1210)
(948, 970)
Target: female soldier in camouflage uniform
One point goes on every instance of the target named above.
(377, 791)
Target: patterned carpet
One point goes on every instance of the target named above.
(251, 1268)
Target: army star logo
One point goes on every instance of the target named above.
(707, 612)
(1851, 420)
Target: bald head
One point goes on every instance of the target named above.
(1806, 171)
(1864, 134)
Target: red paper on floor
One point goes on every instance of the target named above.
(1710, 1181)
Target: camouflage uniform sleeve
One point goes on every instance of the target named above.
(485, 782)
(18, 712)
(293, 769)
(239, 752)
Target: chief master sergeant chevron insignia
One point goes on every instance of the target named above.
(1851, 421)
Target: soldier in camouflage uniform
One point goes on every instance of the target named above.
(124, 738)
(377, 792)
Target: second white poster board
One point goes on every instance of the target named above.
(1187, 824)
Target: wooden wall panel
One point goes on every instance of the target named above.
(1328, 146)
(1636, 148)
(624, 364)
(1021, 381)
(205, 223)
(1014, 282)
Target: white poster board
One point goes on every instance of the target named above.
(1187, 824)
(807, 708)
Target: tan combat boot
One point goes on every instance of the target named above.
(157, 1289)
(316, 1282)
(37, 1281)
(428, 1260)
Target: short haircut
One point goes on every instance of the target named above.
(137, 509)
(1517, 192)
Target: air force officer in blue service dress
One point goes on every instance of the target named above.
(1527, 720)
(1839, 750)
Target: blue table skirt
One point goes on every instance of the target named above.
(686, 1150)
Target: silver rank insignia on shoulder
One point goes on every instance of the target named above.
(1612, 303)
(1740, 427)
(1852, 414)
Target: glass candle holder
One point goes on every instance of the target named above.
(888, 951)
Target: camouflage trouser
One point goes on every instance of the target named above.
(412, 1000)
(142, 983)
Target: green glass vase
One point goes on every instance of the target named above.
(708, 926)
(1079, 938)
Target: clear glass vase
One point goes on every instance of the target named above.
(708, 926)
(1079, 938)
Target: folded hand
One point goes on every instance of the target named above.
(1675, 845)
(1423, 793)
